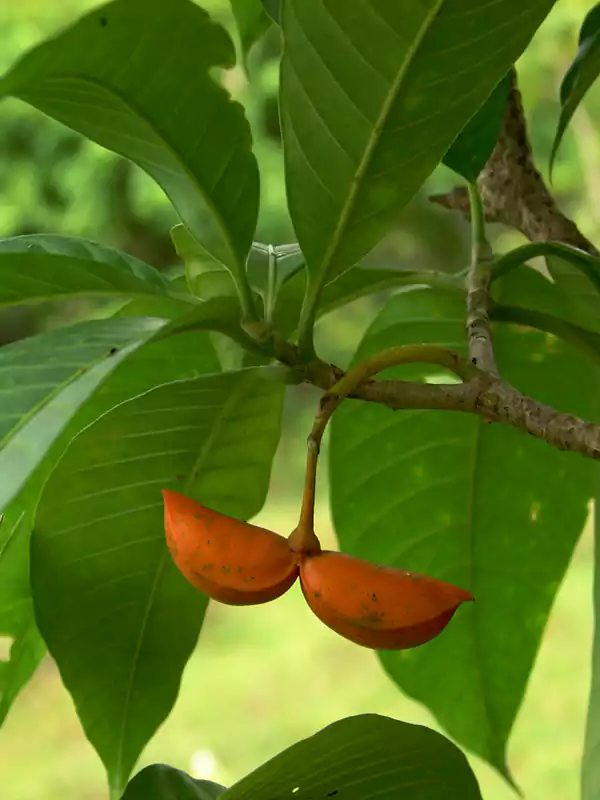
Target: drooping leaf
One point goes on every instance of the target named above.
(481, 506)
(363, 757)
(116, 615)
(44, 267)
(17, 619)
(206, 278)
(372, 97)
(45, 379)
(252, 21)
(472, 148)
(580, 76)
(103, 78)
(161, 782)
(163, 307)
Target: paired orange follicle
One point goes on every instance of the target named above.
(238, 563)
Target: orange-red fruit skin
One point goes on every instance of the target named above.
(377, 607)
(231, 561)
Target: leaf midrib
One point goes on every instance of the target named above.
(372, 143)
(472, 492)
(119, 780)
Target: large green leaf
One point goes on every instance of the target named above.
(135, 76)
(45, 379)
(17, 620)
(364, 757)
(580, 76)
(474, 145)
(44, 267)
(115, 613)
(372, 96)
(482, 506)
(161, 782)
(186, 355)
(590, 765)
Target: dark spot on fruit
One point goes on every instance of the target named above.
(208, 541)
(198, 516)
(240, 569)
(317, 595)
(207, 567)
(374, 597)
(225, 569)
(103, 22)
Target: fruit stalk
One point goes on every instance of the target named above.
(303, 538)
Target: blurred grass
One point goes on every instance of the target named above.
(263, 677)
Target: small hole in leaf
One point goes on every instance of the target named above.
(6, 642)
(295, 789)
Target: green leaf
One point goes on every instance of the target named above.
(45, 379)
(163, 307)
(481, 506)
(206, 278)
(161, 782)
(117, 616)
(580, 76)
(474, 145)
(17, 619)
(252, 22)
(135, 77)
(372, 97)
(590, 765)
(356, 282)
(529, 298)
(45, 267)
(363, 757)
(186, 355)
(581, 291)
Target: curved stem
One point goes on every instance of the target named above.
(588, 264)
(303, 538)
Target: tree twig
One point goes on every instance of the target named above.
(512, 190)
(479, 330)
(485, 395)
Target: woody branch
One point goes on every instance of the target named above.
(512, 192)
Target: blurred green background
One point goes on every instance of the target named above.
(263, 677)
